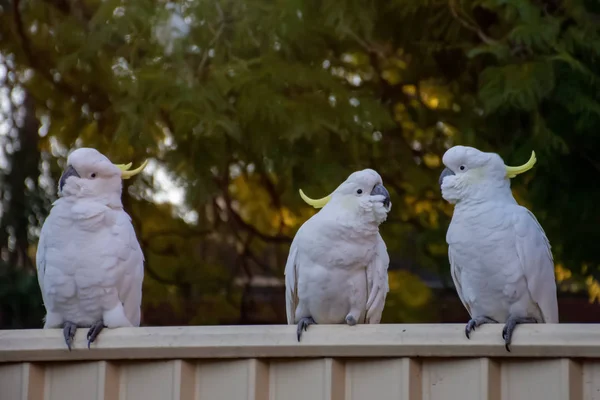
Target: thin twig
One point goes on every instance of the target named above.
(472, 27)
(44, 70)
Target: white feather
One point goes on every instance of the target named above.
(500, 257)
(378, 285)
(501, 262)
(337, 265)
(89, 262)
(535, 255)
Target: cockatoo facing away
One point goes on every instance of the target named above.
(89, 262)
(500, 258)
(336, 270)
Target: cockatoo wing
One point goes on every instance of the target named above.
(131, 268)
(40, 261)
(455, 272)
(291, 283)
(377, 282)
(537, 263)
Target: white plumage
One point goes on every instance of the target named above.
(336, 270)
(90, 264)
(500, 258)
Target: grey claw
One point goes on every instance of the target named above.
(69, 330)
(470, 327)
(95, 329)
(475, 322)
(510, 326)
(350, 320)
(303, 324)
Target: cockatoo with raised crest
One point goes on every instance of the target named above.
(336, 270)
(500, 258)
(89, 262)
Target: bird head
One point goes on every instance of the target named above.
(90, 174)
(363, 192)
(471, 174)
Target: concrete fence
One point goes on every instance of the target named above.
(372, 362)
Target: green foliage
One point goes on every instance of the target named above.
(20, 299)
(243, 103)
(542, 91)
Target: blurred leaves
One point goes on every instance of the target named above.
(409, 299)
(240, 104)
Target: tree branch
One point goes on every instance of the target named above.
(177, 232)
(263, 236)
(472, 27)
(44, 70)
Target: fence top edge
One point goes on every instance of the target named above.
(279, 341)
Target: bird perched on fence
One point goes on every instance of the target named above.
(90, 265)
(500, 258)
(336, 270)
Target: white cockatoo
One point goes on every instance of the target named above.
(500, 258)
(336, 270)
(89, 262)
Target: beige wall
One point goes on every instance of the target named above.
(400, 362)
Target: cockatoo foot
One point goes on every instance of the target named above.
(303, 324)
(69, 330)
(510, 326)
(477, 321)
(94, 331)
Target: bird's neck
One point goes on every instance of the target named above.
(111, 200)
(484, 197)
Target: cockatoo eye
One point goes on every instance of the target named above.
(93, 175)
(462, 167)
(359, 191)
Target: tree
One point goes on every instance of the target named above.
(540, 90)
(242, 103)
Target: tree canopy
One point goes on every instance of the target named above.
(241, 103)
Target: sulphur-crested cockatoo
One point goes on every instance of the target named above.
(500, 258)
(336, 270)
(89, 262)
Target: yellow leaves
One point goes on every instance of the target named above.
(423, 206)
(409, 288)
(393, 67)
(391, 76)
(288, 217)
(403, 117)
(355, 59)
(432, 160)
(591, 284)
(409, 90)
(427, 209)
(435, 94)
(432, 94)
(399, 108)
(562, 273)
(409, 299)
(256, 206)
(432, 102)
(32, 251)
(593, 288)
(399, 63)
